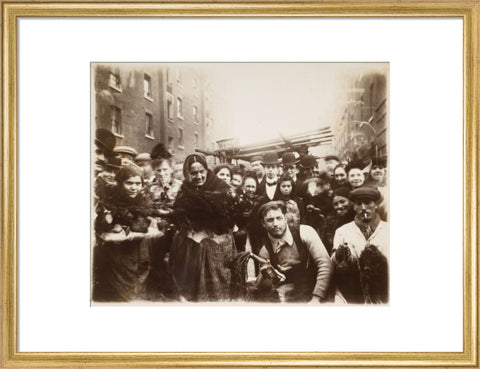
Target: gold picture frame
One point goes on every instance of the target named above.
(467, 10)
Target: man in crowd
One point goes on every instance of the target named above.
(289, 164)
(127, 154)
(299, 267)
(367, 228)
(256, 163)
(331, 161)
(106, 163)
(308, 165)
(269, 187)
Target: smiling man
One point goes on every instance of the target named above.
(298, 253)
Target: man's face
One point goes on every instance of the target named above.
(249, 187)
(377, 173)
(258, 168)
(132, 186)
(100, 159)
(291, 170)
(271, 171)
(340, 176)
(356, 177)
(275, 223)
(163, 172)
(365, 209)
(330, 166)
(286, 188)
(198, 174)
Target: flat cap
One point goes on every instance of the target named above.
(256, 158)
(125, 150)
(365, 193)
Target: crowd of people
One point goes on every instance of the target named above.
(276, 229)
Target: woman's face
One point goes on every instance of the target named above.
(132, 186)
(163, 172)
(249, 187)
(341, 205)
(198, 174)
(286, 188)
(236, 180)
(340, 176)
(356, 177)
(224, 174)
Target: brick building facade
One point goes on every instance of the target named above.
(147, 104)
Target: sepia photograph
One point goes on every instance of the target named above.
(250, 183)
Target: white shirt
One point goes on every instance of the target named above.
(351, 235)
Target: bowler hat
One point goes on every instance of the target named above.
(332, 157)
(366, 193)
(270, 158)
(379, 162)
(105, 139)
(288, 158)
(308, 162)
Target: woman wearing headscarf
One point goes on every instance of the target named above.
(203, 246)
(343, 214)
(124, 229)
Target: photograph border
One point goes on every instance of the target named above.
(467, 10)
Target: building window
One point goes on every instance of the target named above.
(178, 75)
(149, 125)
(195, 114)
(195, 140)
(169, 76)
(114, 81)
(170, 108)
(179, 107)
(147, 87)
(170, 144)
(116, 120)
(180, 138)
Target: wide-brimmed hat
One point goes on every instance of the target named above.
(160, 152)
(308, 162)
(270, 158)
(365, 193)
(288, 159)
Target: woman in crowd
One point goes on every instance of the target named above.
(224, 172)
(355, 175)
(162, 192)
(377, 179)
(248, 200)
(237, 178)
(287, 186)
(203, 245)
(343, 214)
(339, 176)
(124, 229)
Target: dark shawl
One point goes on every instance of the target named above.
(209, 207)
